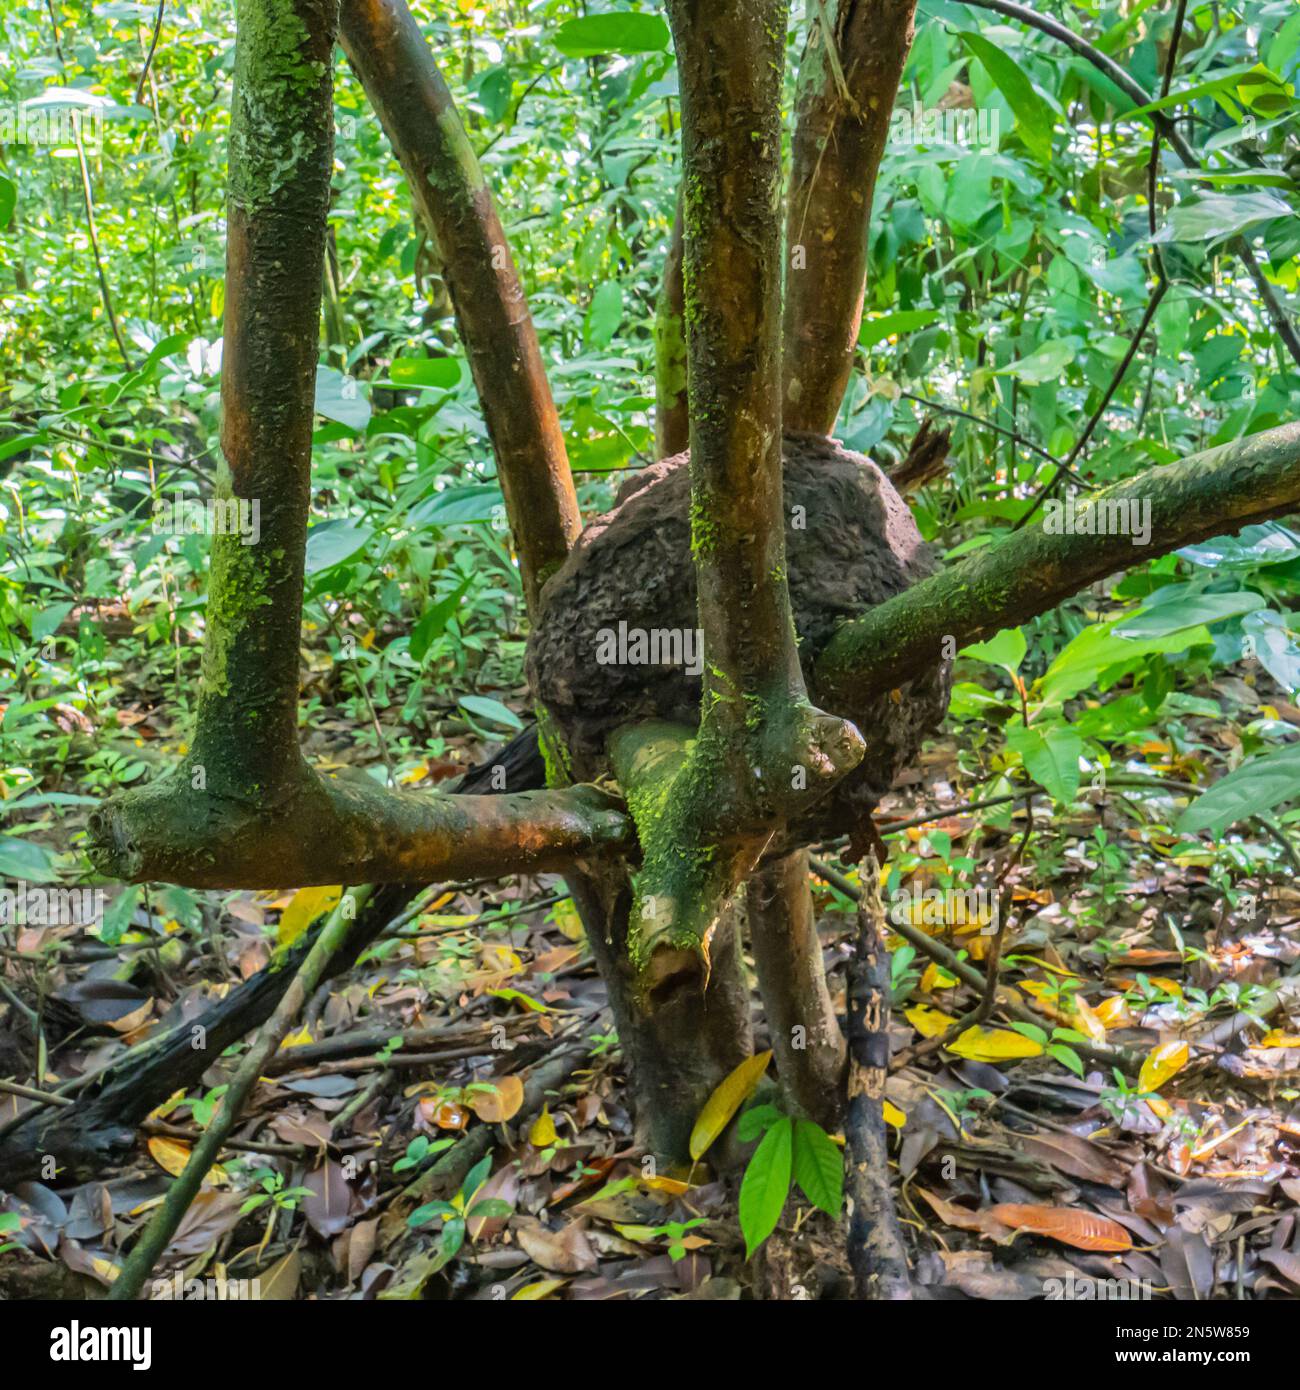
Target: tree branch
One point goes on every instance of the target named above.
(848, 79)
(706, 805)
(384, 45)
(672, 419)
(1008, 582)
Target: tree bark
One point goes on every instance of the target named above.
(876, 1250)
(672, 415)
(805, 1033)
(383, 43)
(676, 1055)
(706, 805)
(848, 79)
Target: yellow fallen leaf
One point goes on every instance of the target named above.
(930, 1023)
(1162, 1062)
(304, 907)
(936, 977)
(731, 1093)
(171, 1155)
(1088, 1020)
(894, 1116)
(1114, 1012)
(543, 1133)
(1275, 1037)
(675, 1187)
(543, 1288)
(298, 1039)
(978, 1044)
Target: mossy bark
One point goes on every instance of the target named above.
(1209, 494)
(672, 417)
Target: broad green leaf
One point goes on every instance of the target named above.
(1007, 648)
(623, 32)
(8, 200)
(1274, 647)
(1045, 363)
(1253, 789)
(1051, 756)
(491, 710)
(340, 398)
(766, 1185)
(728, 1096)
(604, 315)
(1269, 543)
(440, 372)
(818, 1167)
(435, 619)
(453, 506)
(332, 542)
(47, 621)
(1214, 216)
(1164, 616)
(1034, 117)
(24, 859)
(905, 321)
(1097, 649)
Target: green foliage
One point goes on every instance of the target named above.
(792, 1151)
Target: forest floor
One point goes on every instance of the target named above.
(1024, 1169)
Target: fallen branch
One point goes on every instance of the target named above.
(150, 1246)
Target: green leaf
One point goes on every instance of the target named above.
(766, 1185)
(491, 710)
(455, 506)
(818, 1167)
(1051, 756)
(1254, 788)
(332, 542)
(1034, 117)
(47, 621)
(435, 619)
(1213, 216)
(8, 200)
(604, 315)
(440, 372)
(903, 322)
(1006, 649)
(1181, 610)
(1067, 1056)
(622, 32)
(340, 398)
(26, 860)
(1269, 543)
(1097, 649)
(1045, 363)
(1275, 647)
